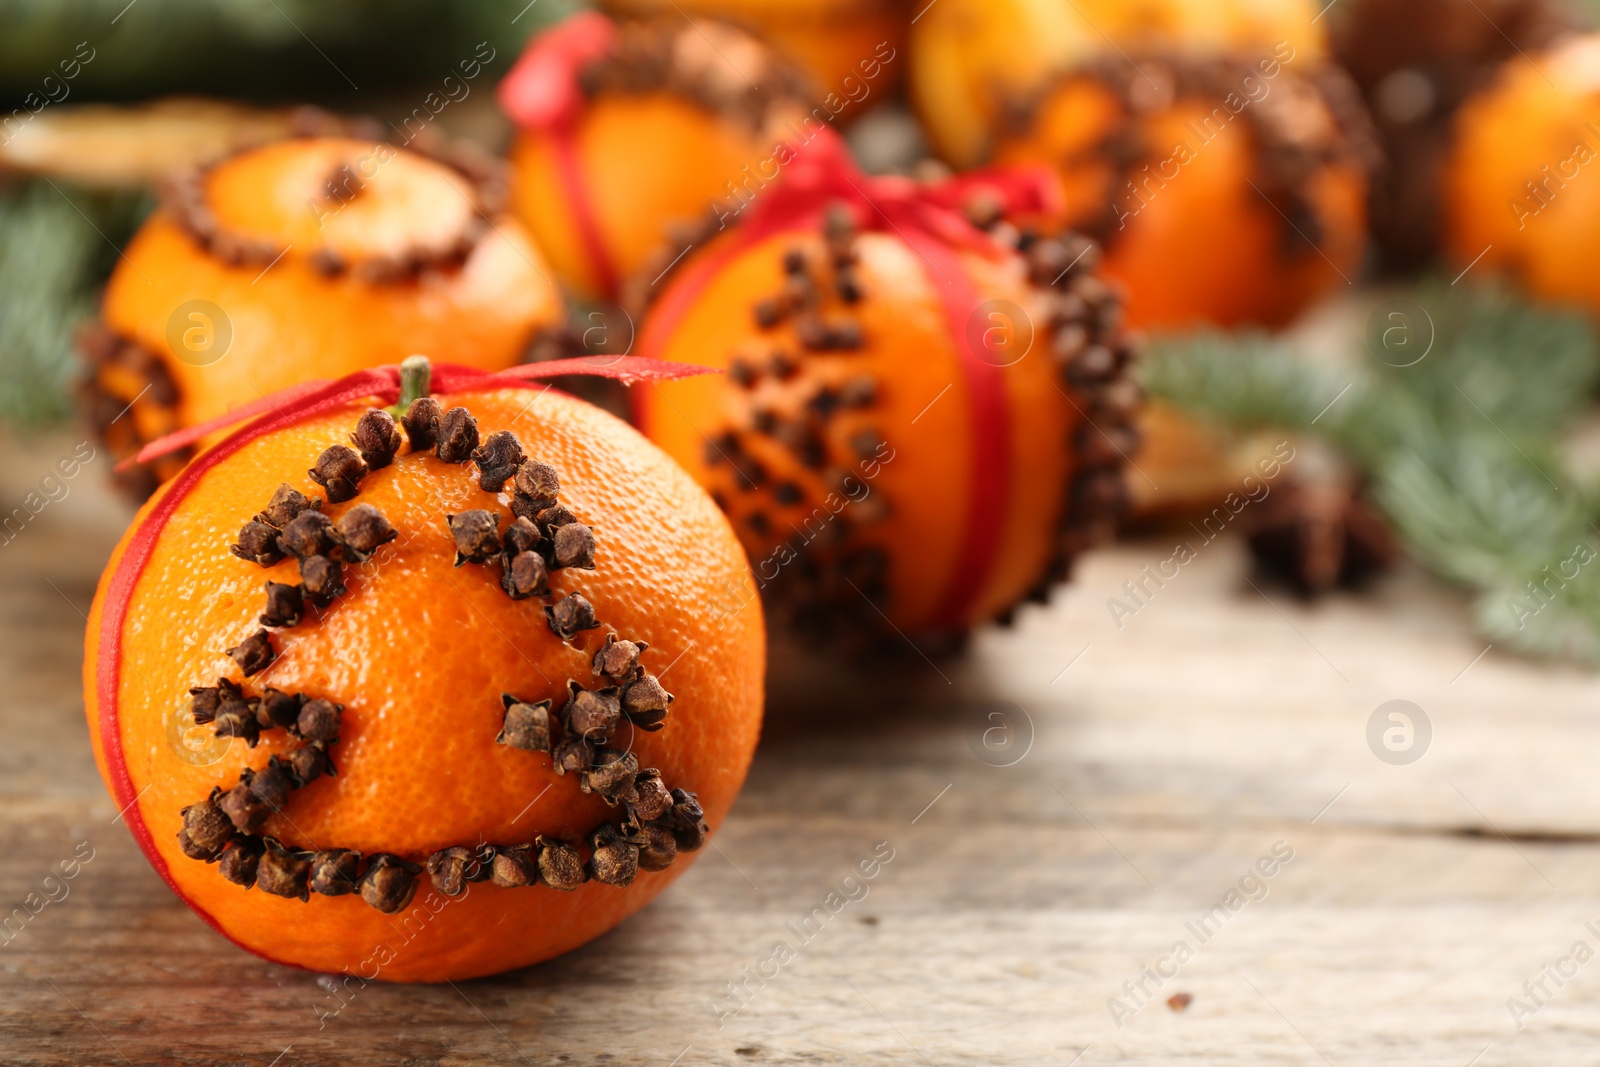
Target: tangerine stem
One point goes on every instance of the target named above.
(416, 378)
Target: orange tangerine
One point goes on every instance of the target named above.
(626, 129)
(307, 258)
(415, 725)
(920, 425)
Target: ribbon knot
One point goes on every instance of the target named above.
(821, 172)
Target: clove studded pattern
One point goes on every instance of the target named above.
(542, 536)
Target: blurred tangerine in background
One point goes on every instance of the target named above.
(829, 38)
(924, 413)
(302, 259)
(1520, 193)
(1123, 98)
(626, 130)
(1416, 64)
(972, 60)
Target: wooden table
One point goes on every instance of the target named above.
(1167, 760)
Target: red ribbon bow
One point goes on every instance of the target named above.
(821, 172)
(300, 402)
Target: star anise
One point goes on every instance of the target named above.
(1316, 537)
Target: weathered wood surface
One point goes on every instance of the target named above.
(1164, 764)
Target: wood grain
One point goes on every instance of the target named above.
(1168, 759)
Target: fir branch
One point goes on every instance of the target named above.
(1474, 511)
(1549, 614)
(55, 250)
(1461, 450)
(1525, 368)
(1247, 380)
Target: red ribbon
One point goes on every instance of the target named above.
(542, 93)
(929, 219)
(300, 402)
(542, 90)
